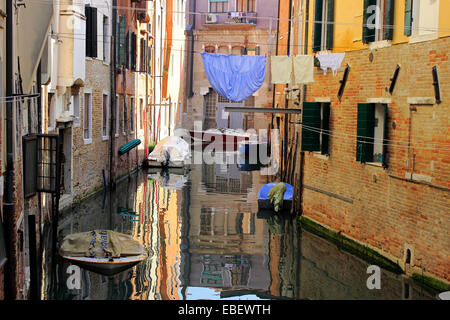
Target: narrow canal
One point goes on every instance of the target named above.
(206, 240)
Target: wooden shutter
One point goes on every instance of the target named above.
(385, 136)
(326, 110)
(389, 20)
(127, 51)
(88, 14)
(94, 27)
(368, 32)
(365, 132)
(122, 41)
(317, 40)
(330, 26)
(311, 118)
(408, 17)
(133, 51)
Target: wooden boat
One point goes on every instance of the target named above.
(264, 202)
(106, 266)
(102, 251)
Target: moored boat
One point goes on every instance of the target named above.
(264, 202)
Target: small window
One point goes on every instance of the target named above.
(87, 118)
(141, 113)
(124, 115)
(76, 110)
(105, 117)
(217, 6)
(132, 114)
(315, 127)
(371, 145)
(106, 41)
(246, 5)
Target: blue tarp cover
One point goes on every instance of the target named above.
(264, 191)
(235, 77)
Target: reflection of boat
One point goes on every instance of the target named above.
(102, 251)
(227, 139)
(171, 152)
(264, 202)
(170, 178)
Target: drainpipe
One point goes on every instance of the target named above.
(113, 101)
(8, 197)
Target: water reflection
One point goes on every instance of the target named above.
(207, 240)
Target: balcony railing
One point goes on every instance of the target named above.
(230, 18)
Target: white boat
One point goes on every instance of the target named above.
(171, 152)
(102, 251)
(106, 266)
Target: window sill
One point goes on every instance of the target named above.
(87, 141)
(375, 164)
(420, 100)
(423, 37)
(105, 138)
(319, 155)
(116, 135)
(418, 177)
(379, 44)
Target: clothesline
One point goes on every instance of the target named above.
(294, 19)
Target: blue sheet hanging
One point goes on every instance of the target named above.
(234, 77)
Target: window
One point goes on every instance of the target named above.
(132, 114)
(378, 20)
(217, 6)
(210, 49)
(121, 41)
(105, 117)
(141, 113)
(76, 110)
(246, 5)
(106, 41)
(124, 116)
(87, 121)
(316, 126)
(91, 31)
(117, 115)
(323, 30)
(417, 17)
(371, 145)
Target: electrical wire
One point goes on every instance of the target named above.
(127, 8)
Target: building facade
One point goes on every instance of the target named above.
(226, 27)
(375, 167)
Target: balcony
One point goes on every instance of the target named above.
(234, 20)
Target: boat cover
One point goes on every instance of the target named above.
(175, 147)
(100, 244)
(263, 193)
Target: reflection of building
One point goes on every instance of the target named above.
(227, 243)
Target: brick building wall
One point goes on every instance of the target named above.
(385, 208)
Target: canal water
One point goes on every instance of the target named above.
(206, 240)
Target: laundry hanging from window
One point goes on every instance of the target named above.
(330, 60)
(301, 67)
(235, 77)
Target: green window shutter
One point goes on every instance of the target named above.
(311, 118)
(326, 110)
(389, 20)
(127, 50)
(408, 17)
(385, 136)
(122, 41)
(330, 26)
(368, 14)
(317, 25)
(365, 132)
(133, 51)
(88, 14)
